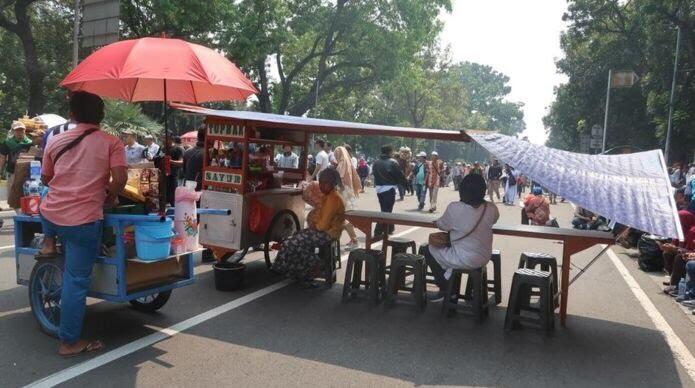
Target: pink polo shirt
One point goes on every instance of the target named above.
(81, 176)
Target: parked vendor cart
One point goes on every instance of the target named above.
(265, 200)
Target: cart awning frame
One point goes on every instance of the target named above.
(312, 125)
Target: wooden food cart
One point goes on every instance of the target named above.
(265, 201)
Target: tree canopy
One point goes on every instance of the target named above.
(638, 35)
(370, 60)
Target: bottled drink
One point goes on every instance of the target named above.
(35, 170)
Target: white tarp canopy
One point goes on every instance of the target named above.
(632, 189)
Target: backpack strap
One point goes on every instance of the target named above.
(73, 143)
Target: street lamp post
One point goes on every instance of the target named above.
(667, 148)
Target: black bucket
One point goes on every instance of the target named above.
(229, 276)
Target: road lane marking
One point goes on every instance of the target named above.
(6, 247)
(162, 334)
(678, 348)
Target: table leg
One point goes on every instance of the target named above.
(565, 283)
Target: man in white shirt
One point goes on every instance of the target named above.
(287, 159)
(133, 150)
(152, 147)
(322, 160)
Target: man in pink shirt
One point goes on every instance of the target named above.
(85, 169)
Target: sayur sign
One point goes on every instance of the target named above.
(225, 130)
(222, 177)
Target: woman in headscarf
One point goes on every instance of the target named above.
(351, 189)
(297, 258)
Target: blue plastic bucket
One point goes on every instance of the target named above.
(153, 239)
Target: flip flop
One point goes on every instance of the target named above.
(92, 346)
(40, 256)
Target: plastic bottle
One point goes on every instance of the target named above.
(35, 170)
(681, 288)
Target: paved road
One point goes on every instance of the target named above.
(295, 337)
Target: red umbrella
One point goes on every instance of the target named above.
(160, 69)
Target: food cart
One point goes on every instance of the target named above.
(265, 200)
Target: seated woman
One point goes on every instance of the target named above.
(297, 258)
(537, 208)
(469, 223)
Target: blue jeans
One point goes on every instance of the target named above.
(421, 193)
(690, 285)
(81, 246)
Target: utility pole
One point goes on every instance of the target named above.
(76, 35)
(605, 116)
(667, 148)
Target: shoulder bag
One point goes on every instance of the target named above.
(443, 239)
(73, 143)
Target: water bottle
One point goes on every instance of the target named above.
(35, 170)
(681, 289)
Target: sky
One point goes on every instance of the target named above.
(520, 38)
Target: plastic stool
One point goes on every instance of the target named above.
(403, 265)
(330, 257)
(398, 245)
(476, 293)
(494, 285)
(520, 299)
(374, 279)
(547, 263)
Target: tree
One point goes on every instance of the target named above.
(321, 48)
(635, 35)
(121, 116)
(21, 26)
(44, 44)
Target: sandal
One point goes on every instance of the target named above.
(92, 346)
(41, 256)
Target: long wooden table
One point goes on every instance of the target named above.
(573, 240)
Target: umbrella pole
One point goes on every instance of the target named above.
(163, 185)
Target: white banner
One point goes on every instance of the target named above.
(632, 189)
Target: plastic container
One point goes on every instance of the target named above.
(178, 245)
(185, 217)
(229, 276)
(30, 205)
(153, 240)
(35, 170)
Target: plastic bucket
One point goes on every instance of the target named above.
(229, 276)
(153, 239)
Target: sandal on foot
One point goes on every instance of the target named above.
(91, 346)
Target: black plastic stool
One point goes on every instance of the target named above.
(403, 265)
(374, 280)
(330, 257)
(520, 299)
(476, 293)
(398, 245)
(547, 263)
(494, 285)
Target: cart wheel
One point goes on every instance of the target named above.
(151, 302)
(284, 224)
(45, 284)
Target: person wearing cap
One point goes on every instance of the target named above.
(152, 148)
(134, 151)
(420, 179)
(435, 168)
(16, 143)
(477, 169)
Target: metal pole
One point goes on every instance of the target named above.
(76, 35)
(605, 117)
(667, 149)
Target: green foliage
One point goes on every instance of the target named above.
(121, 116)
(635, 35)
